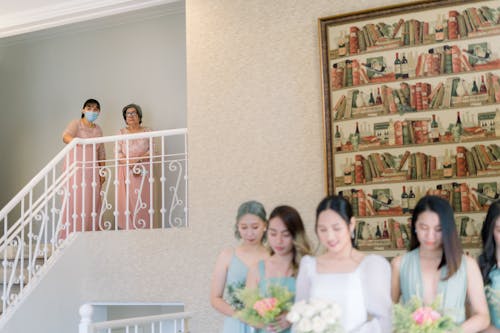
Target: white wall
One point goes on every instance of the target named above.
(255, 132)
(254, 112)
(45, 77)
(148, 266)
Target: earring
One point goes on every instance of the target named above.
(352, 234)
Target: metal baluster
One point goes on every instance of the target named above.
(94, 166)
(116, 181)
(186, 220)
(162, 181)
(127, 185)
(151, 182)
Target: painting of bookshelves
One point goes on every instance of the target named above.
(412, 107)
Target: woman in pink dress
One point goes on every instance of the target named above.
(83, 205)
(134, 170)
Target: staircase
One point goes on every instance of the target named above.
(35, 225)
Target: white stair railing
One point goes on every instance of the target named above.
(139, 192)
(164, 323)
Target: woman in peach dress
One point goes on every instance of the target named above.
(82, 205)
(134, 169)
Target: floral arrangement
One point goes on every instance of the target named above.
(415, 317)
(315, 316)
(260, 310)
(231, 295)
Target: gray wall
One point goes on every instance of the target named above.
(46, 76)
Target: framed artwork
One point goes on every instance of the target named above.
(411, 107)
(364, 53)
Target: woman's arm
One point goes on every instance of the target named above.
(377, 290)
(303, 283)
(219, 283)
(67, 138)
(491, 329)
(395, 284)
(70, 131)
(480, 318)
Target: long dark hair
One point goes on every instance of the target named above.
(339, 205)
(293, 223)
(488, 258)
(452, 248)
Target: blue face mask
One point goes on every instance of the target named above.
(91, 116)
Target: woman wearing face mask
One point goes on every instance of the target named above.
(359, 283)
(232, 265)
(134, 170)
(83, 163)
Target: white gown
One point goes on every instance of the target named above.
(364, 294)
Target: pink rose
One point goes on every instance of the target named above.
(425, 315)
(265, 305)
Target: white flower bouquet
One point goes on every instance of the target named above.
(315, 316)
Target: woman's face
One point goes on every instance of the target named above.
(251, 228)
(91, 108)
(132, 116)
(333, 232)
(278, 236)
(496, 232)
(428, 229)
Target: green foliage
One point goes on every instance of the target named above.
(231, 295)
(403, 321)
(249, 297)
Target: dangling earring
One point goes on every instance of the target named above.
(352, 234)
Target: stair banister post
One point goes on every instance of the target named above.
(86, 311)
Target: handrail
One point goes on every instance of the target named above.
(140, 320)
(25, 190)
(145, 193)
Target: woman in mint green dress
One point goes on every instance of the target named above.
(489, 262)
(437, 267)
(231, 268)
(287, 245)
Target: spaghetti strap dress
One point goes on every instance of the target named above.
(235, 279)
(264, 283)
(452, 291)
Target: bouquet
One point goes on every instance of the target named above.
(315, 316)
(259, 310)
(414, 317)
(231, 295)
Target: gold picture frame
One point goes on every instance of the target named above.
(331, 31)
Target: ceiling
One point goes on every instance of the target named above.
(20, 17)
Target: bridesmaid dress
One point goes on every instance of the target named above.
(495, 285)
(264, 283)
(235, 279)
(453, 290)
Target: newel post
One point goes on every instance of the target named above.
(86, 311)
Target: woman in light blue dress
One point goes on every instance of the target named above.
(232, 264)
(436, 267)
(288, 244)
(489, 262)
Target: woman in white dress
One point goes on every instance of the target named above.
(360, 283)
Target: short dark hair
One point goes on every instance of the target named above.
(487, 259)
(89, 102)
(452, 248)
(130, 106)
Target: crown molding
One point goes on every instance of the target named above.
(68, 12)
